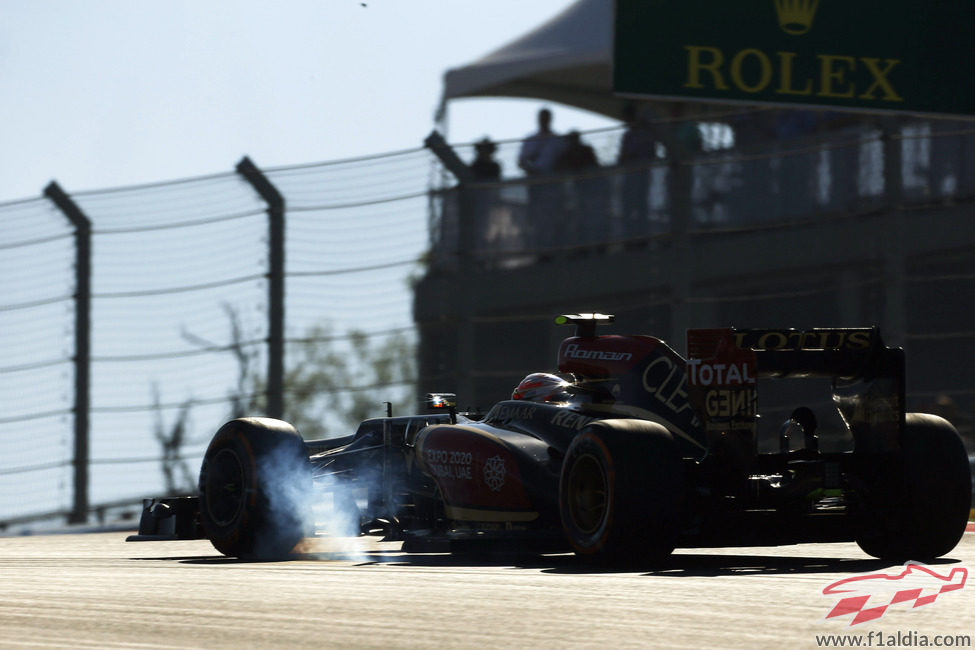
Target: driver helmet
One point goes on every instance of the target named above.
(540, 387)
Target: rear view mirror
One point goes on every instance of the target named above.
(443, 401)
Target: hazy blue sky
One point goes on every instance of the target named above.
(100, 93)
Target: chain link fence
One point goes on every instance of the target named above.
(181, 318)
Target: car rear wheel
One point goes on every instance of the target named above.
(254, 488)
(621, 492)
(921, 509)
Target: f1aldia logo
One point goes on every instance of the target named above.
(494, 473)
(868, 597)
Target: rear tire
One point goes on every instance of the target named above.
(254, 488)
(920, 512)
(621, 492)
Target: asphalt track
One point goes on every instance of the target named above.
(97, 591)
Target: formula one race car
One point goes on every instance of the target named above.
(759, 437)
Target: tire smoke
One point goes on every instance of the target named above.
(318, 505)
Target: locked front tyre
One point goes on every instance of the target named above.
(918, 507)
(621, 493)
(255, 485)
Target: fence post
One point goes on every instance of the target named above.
(895, 267)
(275, 275)
(679, 190)
(436, 143)
(82, 345)
(466, 336)
(466, 204)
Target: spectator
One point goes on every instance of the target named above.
(587, 193)
(796, 161)
(576, 156)
(484, 166)
(485, 169)
(753, 132)
(541, 149)
(687, 133)
(537, 158)
(637, 152)
(753, 127)
(845, 134)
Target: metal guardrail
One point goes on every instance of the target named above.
(130, 509)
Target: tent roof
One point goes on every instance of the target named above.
(566, 60)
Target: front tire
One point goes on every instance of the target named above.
(621, 492)
(920, 512)
(254, 486)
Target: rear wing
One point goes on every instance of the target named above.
(844, 353)
(867, 376)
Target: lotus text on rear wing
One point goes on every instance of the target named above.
(819, 339)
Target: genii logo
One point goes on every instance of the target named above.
(869, 596)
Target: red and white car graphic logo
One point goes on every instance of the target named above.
(867, 597)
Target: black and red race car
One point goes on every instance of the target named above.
(759, 437)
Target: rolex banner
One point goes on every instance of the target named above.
(865, 54)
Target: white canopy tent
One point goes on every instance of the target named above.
(566, 60)
(569, 60)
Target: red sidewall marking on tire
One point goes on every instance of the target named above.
(610, 495)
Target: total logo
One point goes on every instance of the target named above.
(701, 373)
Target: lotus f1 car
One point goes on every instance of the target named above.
(759, 437)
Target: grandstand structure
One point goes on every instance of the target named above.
(864, 223)
(136, 320)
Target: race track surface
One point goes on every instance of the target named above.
(97, 591)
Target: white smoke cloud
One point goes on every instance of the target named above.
(326, 509)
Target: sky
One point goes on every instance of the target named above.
(109, 93)
(100, 94)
